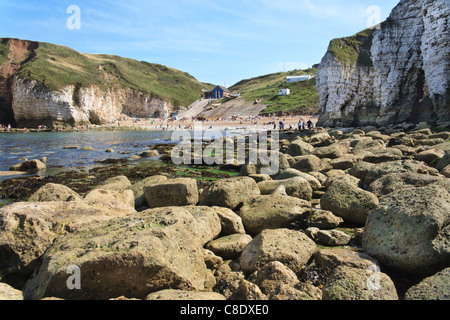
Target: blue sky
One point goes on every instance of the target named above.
(220, 42)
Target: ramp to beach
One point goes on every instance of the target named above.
(195, 109)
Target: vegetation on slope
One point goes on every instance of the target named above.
(55, 66)
(353, 50)
(303, 99)
(4, 51)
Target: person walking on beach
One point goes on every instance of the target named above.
(310, 124)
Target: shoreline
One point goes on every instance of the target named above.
(170, 125)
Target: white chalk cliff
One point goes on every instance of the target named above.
(34, 105)
(404, 78)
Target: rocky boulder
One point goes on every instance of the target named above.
(229, 193)
(333, 258)
(333, 151)
(436, 287)
(395, 181)
(119, 183)
(409, 230)
(412, 166)
(229, 247)
(278, 282)
(346, 200)
(323, 219)
(138, 189)
(297, 187)
(292, 173)
(105, 196)
(32, 166)
(298, 147)
(308, 164)
(292, 248)
(27, 230)
(8, 293)
(54, 192)
(131, 256)
(230, 221)
(180, 295)
(272, 212)
(346, 283)
(175, 192)
(332, 237)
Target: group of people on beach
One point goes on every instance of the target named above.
(5, 128)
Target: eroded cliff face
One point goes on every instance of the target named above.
(405, 77)
(34, 105)
(43, 93)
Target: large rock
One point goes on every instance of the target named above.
(395, 181)
(332, 237)
(207, 222)
(345, 162)
(412, 166)
(230, 221)
(272, 212)
(444, 162)
(333, 151)
(105, 196)
(430, 156)
(346, 200)
(436, 287)
(175, 192)
(409, 230)
(32, 166)
(180, 295)
(229, 247)
(292, 248)
(27, 230)
(297, 187)
(346, 283)
(229, 193)
(8, 293)
(308, 163)
(291, 173)
(333, 258)
(119, 183)
(298, 147)
(131, 256)
(138, 189)
(323, 219)
(54, 192)
(278, 282)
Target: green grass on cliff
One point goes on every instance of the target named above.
(304, 98)
(353, 50)
(55, 66)
(4, 51)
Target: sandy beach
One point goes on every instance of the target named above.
(257, 123)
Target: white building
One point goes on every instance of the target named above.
(297, 78)
(284, 92)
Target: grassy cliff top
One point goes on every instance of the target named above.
(353, 50)
(55, 66)
(303, 99)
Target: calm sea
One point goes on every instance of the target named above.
(14, 147)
